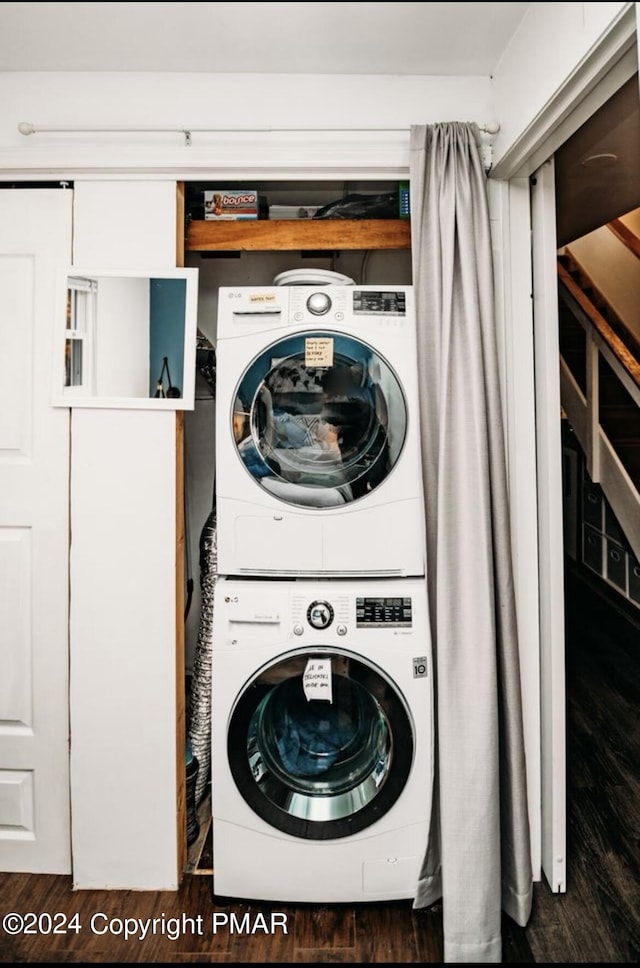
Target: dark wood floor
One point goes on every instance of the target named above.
(597, 920)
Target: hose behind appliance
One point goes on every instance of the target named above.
(199, 708)
(199, 705)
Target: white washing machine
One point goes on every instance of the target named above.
(318, 467)
(322, 738)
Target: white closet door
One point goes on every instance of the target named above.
(35, 237)
(550, 530)
(124, 613)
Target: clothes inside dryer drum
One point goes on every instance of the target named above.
(319, 435)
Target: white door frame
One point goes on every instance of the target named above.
(605, 70)
(550, 530)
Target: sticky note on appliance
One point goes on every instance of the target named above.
(316, 679)
(318, 351)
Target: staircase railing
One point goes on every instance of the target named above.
(582, 404)
(628, 238)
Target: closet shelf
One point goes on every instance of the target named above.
(297, 234)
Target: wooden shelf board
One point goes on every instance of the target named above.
(300, 234)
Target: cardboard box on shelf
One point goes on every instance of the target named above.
(230, 204)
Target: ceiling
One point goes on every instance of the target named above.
(447, 39)
(310, 38)
(597, 170)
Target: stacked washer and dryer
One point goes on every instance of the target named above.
(322, 687)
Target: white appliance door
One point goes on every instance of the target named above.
(319, 419)
(320, 743)
(35, 237)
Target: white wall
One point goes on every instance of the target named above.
(242, 102)
(552, 46)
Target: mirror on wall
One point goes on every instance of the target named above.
(126, 338)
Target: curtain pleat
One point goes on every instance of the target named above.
(478, 857)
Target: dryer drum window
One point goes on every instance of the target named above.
(315, 768)
(319, 419)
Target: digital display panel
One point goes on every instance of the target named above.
(385, 302)
(383, 611)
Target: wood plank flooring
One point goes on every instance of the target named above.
(597, 920)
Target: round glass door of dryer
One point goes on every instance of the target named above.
(319, 419)
(320, 744)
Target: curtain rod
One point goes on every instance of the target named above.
(28, 128)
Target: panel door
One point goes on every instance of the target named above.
(35, 237)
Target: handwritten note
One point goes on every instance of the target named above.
(316, 680)
(318, 351)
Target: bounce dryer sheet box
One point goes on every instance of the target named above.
(230, 204)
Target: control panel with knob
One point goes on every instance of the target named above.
(320, 615)
(319, 303)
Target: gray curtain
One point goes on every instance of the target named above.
(478, 858)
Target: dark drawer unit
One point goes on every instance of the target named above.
(592, 549)
(633, 567)
(611, 527)
(592, 505)
(603, 547)
(617, 566)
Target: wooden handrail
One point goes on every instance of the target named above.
(596, 320)
(604, 464)
(625, 235)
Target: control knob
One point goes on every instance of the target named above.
(320, 615)
(319, 303)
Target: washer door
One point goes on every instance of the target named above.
(320, 744)
(319, 419)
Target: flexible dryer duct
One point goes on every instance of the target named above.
(199, 710)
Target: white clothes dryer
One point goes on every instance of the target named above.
(318, 468)
(322, 738)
